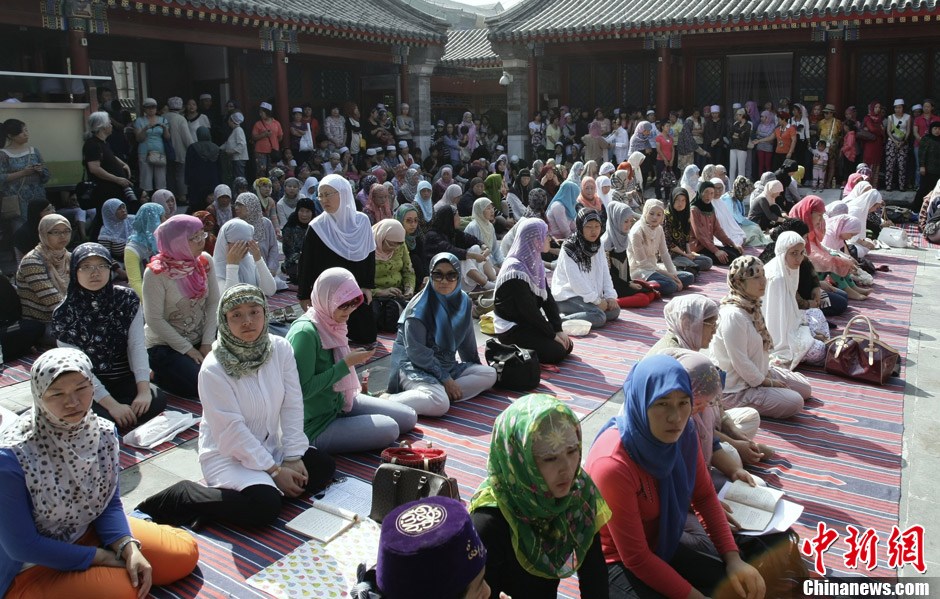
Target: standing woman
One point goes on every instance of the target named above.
(525, 312)
(538, 512)
(106, 323)
(252, 447)
(23, 175)
(341, 237)
(338, 417)
(203, 169)
(180, 298)
(110, 174)
(435, 327)
(152, 133)
(872, 134)
(142, 245)
(42, 277)
(64, 532)
(706, 228)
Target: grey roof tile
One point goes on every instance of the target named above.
(469, 47)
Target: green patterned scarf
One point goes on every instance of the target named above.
(237, 357)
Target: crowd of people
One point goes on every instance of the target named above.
(376, 241)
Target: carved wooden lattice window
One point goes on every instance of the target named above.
(651, 84)
(811, 78)
(935, 93)
(579, 86)
(333, 86)
(260, 80)
(872, 80)
(709, 83)
(910, 78)
(632, 85)
(605, 86)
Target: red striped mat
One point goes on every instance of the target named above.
(17, 371)
(917, 238)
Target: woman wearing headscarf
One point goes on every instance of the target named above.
(422, 202)
(648, 249)
(309, 187)
(764, 208)
(724, 216)
(505, 215)
(604, 190)
(742, 345)
(481, 226)
(221, 208)
(589, 198)
(733, 200)
(106, 323)
(475, 189)
(798, 335)
(763, 144)
(595, 146)
(444, 236)
(27, 236)
(873, 149)
(248, 208)
(522, 186)
(378, 207)
(209, 226)
(687, 147)
(690, 180)
(563, 210)
(116, 227)
(525, 312)
(581, 283)
(340, 237)
(394, 274)
(203, 169)
(840, 229)
(238, 259)
(862, 206)
(64, 532)
(288, 202)
(648, 466)
(408, 216)
(677, 229)
(590, 169)
(538, 513)
(141, 244)
(252, 447)
(451, 196)
(180, 296)
(643, 141)
(337, 417)
(408, 189)
(577, 170)
(812, 211)
(292, 236)
(165, 198)
(435, 327)
(616, 243)
(548, 180)
(42, 277)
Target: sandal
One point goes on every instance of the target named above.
(883, 268)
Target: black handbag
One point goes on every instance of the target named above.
(85, 191)
(387, 311)
(516, 368)
(394, 485)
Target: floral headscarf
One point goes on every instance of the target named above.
(685, 315)
(742, 269)
(524, 260)
(239, 358)
(145, 223)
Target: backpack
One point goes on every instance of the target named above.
(516, 368)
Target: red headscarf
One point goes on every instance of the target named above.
(822, 260)
(875, 118)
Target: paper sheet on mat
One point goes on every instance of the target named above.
(317, 570)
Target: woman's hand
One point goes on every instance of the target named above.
(635, 286)
(678, 282)
(255, 250)
(722, 256)
(355, 358)
(141, 403)
(196, 355)
(477, 257)
(735, 526)
(745, 579)
(748, 450)
(122, 182)
(123, 415)
(236, 251)
(562, 338)
(744, 476)
(454, 392)
(299, 467)
(290, 482)
(139, 569)
(366, 295)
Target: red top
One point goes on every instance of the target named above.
(785, 139)
(272, 142)
(664, 145)
(705, 228)
(633, 496)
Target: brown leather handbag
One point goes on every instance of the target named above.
(395, 485)
(861, 355)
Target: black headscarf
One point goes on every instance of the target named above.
(679, 220)
(27, 236)
(577, 246)
(783, 173)
(443, 221)
(203, 146)
(538, 204)
(519, 190)
(698, 203)
(293, 220)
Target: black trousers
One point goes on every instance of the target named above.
(927, 183)
(187, 502)
(703, 572)
(732, 254)
(547, 349)
(123, 389)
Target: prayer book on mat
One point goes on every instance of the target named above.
(759, 510)
(323, 522)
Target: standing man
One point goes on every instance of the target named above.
(180, 138)
(714, 135)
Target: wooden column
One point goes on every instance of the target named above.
(663, 81)
(281, 101)
(835, 74)
(78, 52)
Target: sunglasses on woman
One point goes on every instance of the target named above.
(440, 276)
(351, 304)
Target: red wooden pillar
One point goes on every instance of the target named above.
(533, 87)
(78, 52)
(835, 74)
(281, 101)
(663, 81)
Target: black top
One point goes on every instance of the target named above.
(740, 135)
(315, 257)
(504, 574)
(465, 203)
(515, 302)
(809, 281)
(96, 150)
(714, 130)
(764, 213)
(435, 243)
(10, 309)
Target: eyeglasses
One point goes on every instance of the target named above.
(440, 276)
(351, 304)
(61, 232)
(88, 269)
(200, 236)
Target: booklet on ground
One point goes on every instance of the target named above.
(759, 510)
(323, 522)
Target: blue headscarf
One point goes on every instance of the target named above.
(441, 314)
(671, 464)
(145, 223)
(568, 194)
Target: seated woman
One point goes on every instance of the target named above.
(17, 336)
(799, 335)
(221, 208)
(248, 208)
(444, 236)
(292, 236)
(287, 204)
(482, 227)
(42, 278)
(581, 284)
(706, 228)
(866, 207)
(647, 464)
(106, 323)
(435, 327)
(64, 532)
(742, 345)
(589, 198)
(823, 263)
(616, 242)
(142, 245)
(116, 228)
(379, 205)
(563, 211)
(538, 513)
(677, 228)
(734, 200)
(27, 235)
(648, 250)
(338, 418)
(252, 447)
(165, 198)
(725, 216)
(507, 209)
(238, 259)
(394, 275)
(340, 237)
(409, 218)
(764, 209)
(839, 230)
(210, 227)
(524, 310)
(180, 298)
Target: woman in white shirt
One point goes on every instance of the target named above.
(742, 344)
(648, 248)
(581, 285)
(252, 447)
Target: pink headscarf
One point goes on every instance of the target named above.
(595, 129)
(822, 260)
(176, 259)
(838, 226)
(333, 288)
(854, 178)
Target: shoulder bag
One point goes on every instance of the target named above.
(85, 191)
(423, 458)
(395, 485)
(861, 355)
(516, 368)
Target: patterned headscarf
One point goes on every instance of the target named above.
(685, 315)
(70, 469)
(380, 211)
(239, 358)
(176, 259)
(550, 536)
(57, 261)
(538, 203)
(742, 269)
(145, 223)
(254, 215)
(577, 246)
(524, 260)
(333, 288)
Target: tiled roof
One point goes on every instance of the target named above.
(387, 21)
(469, 48)
(553, 19)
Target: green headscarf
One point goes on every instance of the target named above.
(237, 357)
(400, 214)
(491, 189)
(550, 536)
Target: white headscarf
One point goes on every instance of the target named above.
(232, 231)
(604, 181)
(485, 227)
(726, 217)
(606, 169)
(784, 320)
(309, 190)
(347, 232)
(860, 205)
(689, 180)
(222, 215)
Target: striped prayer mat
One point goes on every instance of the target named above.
(17, 371)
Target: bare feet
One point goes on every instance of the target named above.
(767, 450)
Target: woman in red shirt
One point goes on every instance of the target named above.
(648, 466)
(784, 139)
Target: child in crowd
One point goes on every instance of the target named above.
(820, 163)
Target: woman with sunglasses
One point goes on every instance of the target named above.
(340, 237)
(337, 417)
(107, 324)
(180, 298)
(435, 327)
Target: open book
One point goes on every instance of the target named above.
(759, 510)
(323, 522)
